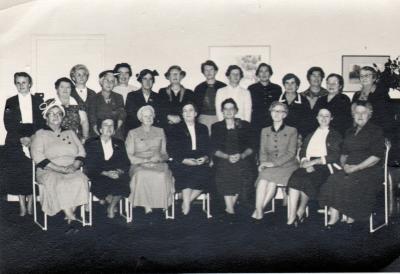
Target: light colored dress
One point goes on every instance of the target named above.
(59, 191)
(152, 184)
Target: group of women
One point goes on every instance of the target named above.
(317, 144)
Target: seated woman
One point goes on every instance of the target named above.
(353, 191)
(152, 184)
(232, 142)
(58, 155)
(188, 145)
(319, 153)
(107, 166)
(278, 149)
(75, 117)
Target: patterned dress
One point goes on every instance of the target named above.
(151, 184)
(59, 191)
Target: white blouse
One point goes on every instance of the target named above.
(82, 92)
(242, 98)
(25, 105)
(108, 149)
(317, 145)
(192, 132)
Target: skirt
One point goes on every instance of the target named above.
(353, 194)
(151, 186)
(309, 183)
(61, 191)
(102, 186)
(277, 175)
(194, 177)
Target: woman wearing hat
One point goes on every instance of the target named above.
(107, 103)
(142, 97)
(58, 155)
(21, 119)
(173, 97)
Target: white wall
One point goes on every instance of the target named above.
(156, 34)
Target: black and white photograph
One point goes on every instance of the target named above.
(202, 136)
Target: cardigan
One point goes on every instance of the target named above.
(200, 91)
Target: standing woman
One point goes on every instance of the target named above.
(377, 95)
(81, 93)
(173, 97)
(22, 118)
(299, 115)
(232, 141)
(337, 103)
(278, 149)
(108, 104)
(152, 184)
(188, 145)
(142, 97)
(75, 117)
(353, 190)
(239, 94)
(107, 166)
(319, 154)
(123, 71)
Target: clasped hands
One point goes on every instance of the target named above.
(348, 169)
(195, 162)
(265, 165)
(308, 165)
(113, 174)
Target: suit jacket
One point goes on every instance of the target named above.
(171, 104)
(200, 91)
(279, 147)
(179, 143)
(134, 101)
(90, 95)
(333, 146)
(13, 119)
(95, 162)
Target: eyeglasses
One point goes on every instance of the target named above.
(278, 111)
(362, 76)
(59, 114)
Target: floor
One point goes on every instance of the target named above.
(192, 244)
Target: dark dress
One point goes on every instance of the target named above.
(232, 179)
(72, 120)
(382, 110)
(134, 101)
(179, 147)
(18, 167)
(300, 114)
(340, 108)
(200, 93)
(80, 101)
(262, 98)
(310, 183)
(95, 164)
(100, 109)
(171, 104)
(355, 194)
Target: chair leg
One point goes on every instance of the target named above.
(326, 215)
(208, 206)
(272, 210)
(172, 215)
(35, 213)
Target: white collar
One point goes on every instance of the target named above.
(72, 101)
(296, 101)
(24, 97)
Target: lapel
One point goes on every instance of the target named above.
(18, 115)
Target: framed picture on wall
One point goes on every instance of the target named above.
(351, 65)
(246, 57)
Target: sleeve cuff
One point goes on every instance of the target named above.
(43, 163)
(303, 159)
(80, 158)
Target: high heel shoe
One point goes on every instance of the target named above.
(294, 224)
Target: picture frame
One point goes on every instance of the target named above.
(248, 57)
(351, 65)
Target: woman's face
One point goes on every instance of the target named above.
(315, 79)
(189, 113)
(324, 117)
(175, 76)
(278, 113)
(22, 84)
(147, 82)
(366, 78)
(54, 116)
(291, 86)
(107, 128)
(209, 72)
(80, 77)
(234, 77)
(64, 90)
(333, 86)
(264, 74)
(361, 115)
(108, 82)
(123, 76)
(229, 111)
(147, 117)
